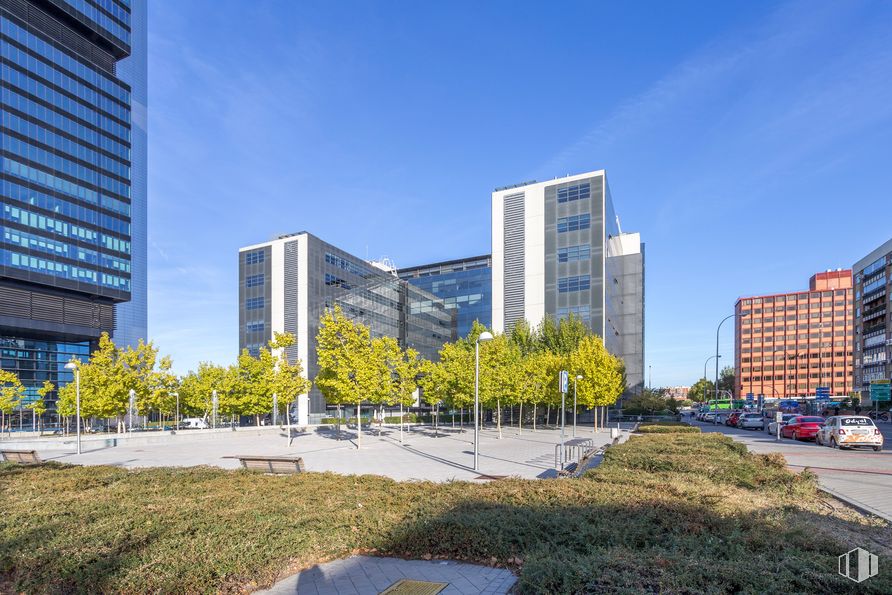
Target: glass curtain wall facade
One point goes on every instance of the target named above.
(463, 285)
(65, 171)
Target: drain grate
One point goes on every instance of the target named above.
(491, 477)
(409, 587)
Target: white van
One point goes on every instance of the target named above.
(193, 423)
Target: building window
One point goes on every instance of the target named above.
(331, 280)
(574, 223)
(572, 284)
(254, 303)
(254, 280)
(254, 257)
(582, 312)
(255, 327)
(574, 253)
(571, 193)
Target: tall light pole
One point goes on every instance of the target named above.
(77, 399)
(484, 336)
(708, 359)
(575, 380)
(717, 330)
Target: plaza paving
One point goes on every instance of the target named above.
(364, 575)
(861, 477)
(425, 454)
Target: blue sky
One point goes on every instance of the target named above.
(749, 142)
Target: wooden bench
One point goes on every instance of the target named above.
(22, 457)
(268, 464)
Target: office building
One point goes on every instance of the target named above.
(464, 285)
(65, 171)
(678, 393)
(789, 344)
(873, 319)
(558, 250)
(286, 284)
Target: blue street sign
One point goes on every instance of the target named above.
(750, 396)
(565, 381)
(822, 393)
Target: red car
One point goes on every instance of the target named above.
(802, 427)
(732, 419)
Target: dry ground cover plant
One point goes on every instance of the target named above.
(671, 513)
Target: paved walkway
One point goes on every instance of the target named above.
(861, 477)
(444, 455)
(362, 575)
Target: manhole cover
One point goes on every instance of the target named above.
(409, 587)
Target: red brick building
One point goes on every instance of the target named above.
(788, 344)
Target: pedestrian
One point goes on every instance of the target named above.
(836, 410)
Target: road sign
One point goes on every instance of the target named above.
(822, 393)
(750, 397)
(880, 390)
(565, 381)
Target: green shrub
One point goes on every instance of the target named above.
(681, 513)
(668, 427)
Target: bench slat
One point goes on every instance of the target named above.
(24, 457)
(271, 464)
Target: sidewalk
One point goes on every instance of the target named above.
(425, 454)
(366, 575)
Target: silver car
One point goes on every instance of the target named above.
(748, 421)
(772, 426)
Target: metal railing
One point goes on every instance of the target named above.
(572, 452)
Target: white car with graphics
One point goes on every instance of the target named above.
(849, 431)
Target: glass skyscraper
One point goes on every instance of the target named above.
(464, 285)
(66, 204)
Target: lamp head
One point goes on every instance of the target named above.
(579, 377)
(71, 366)
(484, 336)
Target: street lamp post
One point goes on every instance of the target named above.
(575, 380)
(176, 423)
(77, 399)
(708, 359)
(717, 330)
(484, 336)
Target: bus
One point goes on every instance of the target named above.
(723, 404)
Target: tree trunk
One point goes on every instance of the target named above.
(338, 432)
(499, 416)
(547, 415)
(358, 426)
(534, 415)
(520, 420)
(461, 419)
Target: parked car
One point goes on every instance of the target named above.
(748, 421)
(732, 418)
(708, 417)
(850, 431)
(802, 427)
(194, 423)
(771, 428)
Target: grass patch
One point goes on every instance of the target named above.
(668, 427)
(663, 513)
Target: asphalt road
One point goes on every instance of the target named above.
(862, 477)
